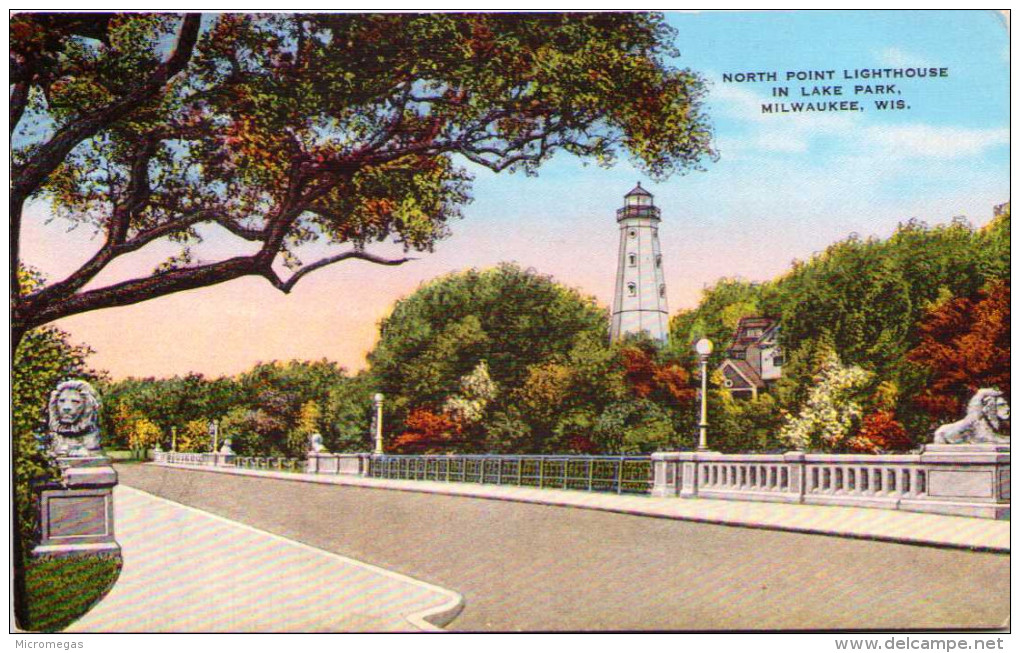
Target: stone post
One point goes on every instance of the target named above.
(665, 474)
(377, 400)
(688, 471)
(797, 470)
(76, 511)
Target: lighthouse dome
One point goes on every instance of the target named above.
(638, 191)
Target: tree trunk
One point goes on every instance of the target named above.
(17, 335)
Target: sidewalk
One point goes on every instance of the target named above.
(863, 523)
(186, 570)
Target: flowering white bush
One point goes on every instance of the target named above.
(831, 412)
(477, 390)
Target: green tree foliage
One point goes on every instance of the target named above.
(993, 245)
(274, 393)
(307, 424)
(193, 436)
(634, 426)
(833, 411)
(873, 303)
(506, 360)
(266, 410)
(47, 356)
(742, 425)
(143, 435)
(347, 415)
(716, 316)
(852, 294)
(282, 129)
(509, 317)
(166, 402)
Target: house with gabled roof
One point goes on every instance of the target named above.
(754, 360)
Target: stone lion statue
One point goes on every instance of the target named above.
(315, 443)
(227, 447)
(986, 411)
(74, 420)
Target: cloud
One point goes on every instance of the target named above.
(897, 58)
(785, 133)
(928, 141)
(780, 140)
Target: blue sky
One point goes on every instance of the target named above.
(785, 186)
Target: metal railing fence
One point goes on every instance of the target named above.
(270, 462)
(618, 474)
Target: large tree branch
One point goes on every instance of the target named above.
(112, 250)
(138, 290)
(247, 233)
(28, 177)
(19, 100)
(136, 198)
(288, 285)
(166, 283)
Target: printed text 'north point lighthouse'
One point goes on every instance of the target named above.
(639, 303)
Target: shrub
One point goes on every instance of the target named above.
(880, 432)
(832, 411)
(59, 590)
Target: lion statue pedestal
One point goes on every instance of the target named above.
(967, 466)
(76, 511)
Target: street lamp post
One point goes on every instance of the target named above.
(173, 438)
(378, 401)
(704, 348)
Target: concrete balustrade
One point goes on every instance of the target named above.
(970, 480)
(349, 464)
(181, 458)
(965, 479)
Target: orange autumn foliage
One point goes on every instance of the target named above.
(965, 346)
(427, 432)
(649, 379)
(880, 432)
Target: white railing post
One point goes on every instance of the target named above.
(665, 474)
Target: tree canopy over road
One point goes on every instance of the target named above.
(284, 129)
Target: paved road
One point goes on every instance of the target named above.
(173, 581)
(539, 568)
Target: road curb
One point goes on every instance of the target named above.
(431, 619)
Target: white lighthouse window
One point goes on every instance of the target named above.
(658, 261)
(662, 290)
(632, 259)
(632, 289)
(633, 233)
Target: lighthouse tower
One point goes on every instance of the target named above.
(640, 300)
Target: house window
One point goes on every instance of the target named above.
(754, 333)
(777, 360)
(632, 289)
(632, 259)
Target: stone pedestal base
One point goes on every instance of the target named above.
(343, 464)
(971, 480)
(666, 474)
(76, 514)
